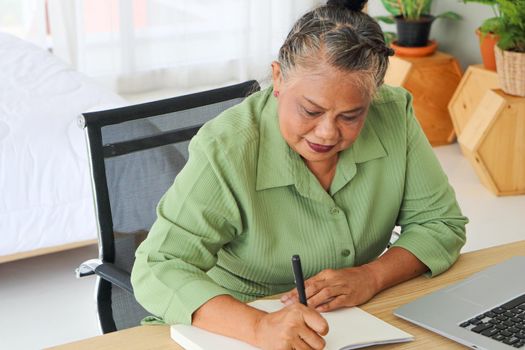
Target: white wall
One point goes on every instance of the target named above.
(454, 37)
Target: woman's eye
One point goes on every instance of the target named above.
(350, 118)
(311, 113)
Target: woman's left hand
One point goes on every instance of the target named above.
(335, 289)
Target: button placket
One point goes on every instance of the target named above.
(342, 238)
(334, 211)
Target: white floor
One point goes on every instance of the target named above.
(42, 304)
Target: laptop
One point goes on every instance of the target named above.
(484, 311)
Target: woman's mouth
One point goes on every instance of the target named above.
(319, 148)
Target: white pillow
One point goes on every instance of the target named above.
(44, 174)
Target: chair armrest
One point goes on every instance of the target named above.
(396, 233)
(87, 268)
(107, 271)
(115, 275)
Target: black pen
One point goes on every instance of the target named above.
(299, 279)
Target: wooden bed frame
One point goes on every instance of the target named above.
(48, 250)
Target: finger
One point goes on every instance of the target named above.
(334, 304)
(312, 286)
(315, 321)
(318, 305)
(319, 278)
(326, 275)
(325, 295)
(313, 289)
(290, 297)
(300, 344)
(311, 339)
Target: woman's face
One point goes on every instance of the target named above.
(321, 112)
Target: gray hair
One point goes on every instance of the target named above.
(348, 40)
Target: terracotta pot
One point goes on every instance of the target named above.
(511, 71)
(486, 47)
(427, 50)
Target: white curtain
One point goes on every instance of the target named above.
(25, 19)
(140, 45)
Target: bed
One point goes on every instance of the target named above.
(46, 203)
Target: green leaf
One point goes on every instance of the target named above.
(426, 7)
(505, 42)
(390, 37)
(490, 25)
(512, 25)
(392, 7)
(449, 15)
(483, 2)
(414, 9)
(385, 19)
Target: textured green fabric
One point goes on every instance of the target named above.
(246, 202)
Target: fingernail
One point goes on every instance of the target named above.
(288, 302)
(284, 298)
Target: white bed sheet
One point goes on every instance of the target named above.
(45, 189)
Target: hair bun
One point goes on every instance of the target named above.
(352, 5)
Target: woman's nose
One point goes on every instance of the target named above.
(326, 130)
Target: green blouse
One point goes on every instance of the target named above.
(246, 202)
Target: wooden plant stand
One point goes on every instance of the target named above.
(476, 81)
(494, 142)
(432, 81)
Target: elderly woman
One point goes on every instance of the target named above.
(323, 164)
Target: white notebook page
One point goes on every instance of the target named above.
(350, 328)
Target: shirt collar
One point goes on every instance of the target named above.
(368, 146)
(277, 162)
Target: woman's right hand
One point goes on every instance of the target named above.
(294, 327)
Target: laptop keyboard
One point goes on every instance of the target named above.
(505, 323)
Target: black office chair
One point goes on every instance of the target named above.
(135, 154)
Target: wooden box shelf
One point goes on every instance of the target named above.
(476, 81)
(432, 81)
(494, 142)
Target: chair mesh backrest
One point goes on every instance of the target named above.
(136, 181)
(133, 166)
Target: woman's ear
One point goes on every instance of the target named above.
(276, 76)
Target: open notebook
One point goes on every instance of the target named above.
(350, 328)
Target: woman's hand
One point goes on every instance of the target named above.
(335, 289)
(293, 327)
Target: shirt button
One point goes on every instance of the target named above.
(334, 211)
(345, 252)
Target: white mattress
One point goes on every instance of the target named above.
(45, 189)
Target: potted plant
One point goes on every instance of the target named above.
(510, 50)
(413, 21)
(487, 33)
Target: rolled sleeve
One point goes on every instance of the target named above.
(432, 225)
(189, 298)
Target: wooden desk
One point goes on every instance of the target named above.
(157, 337)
